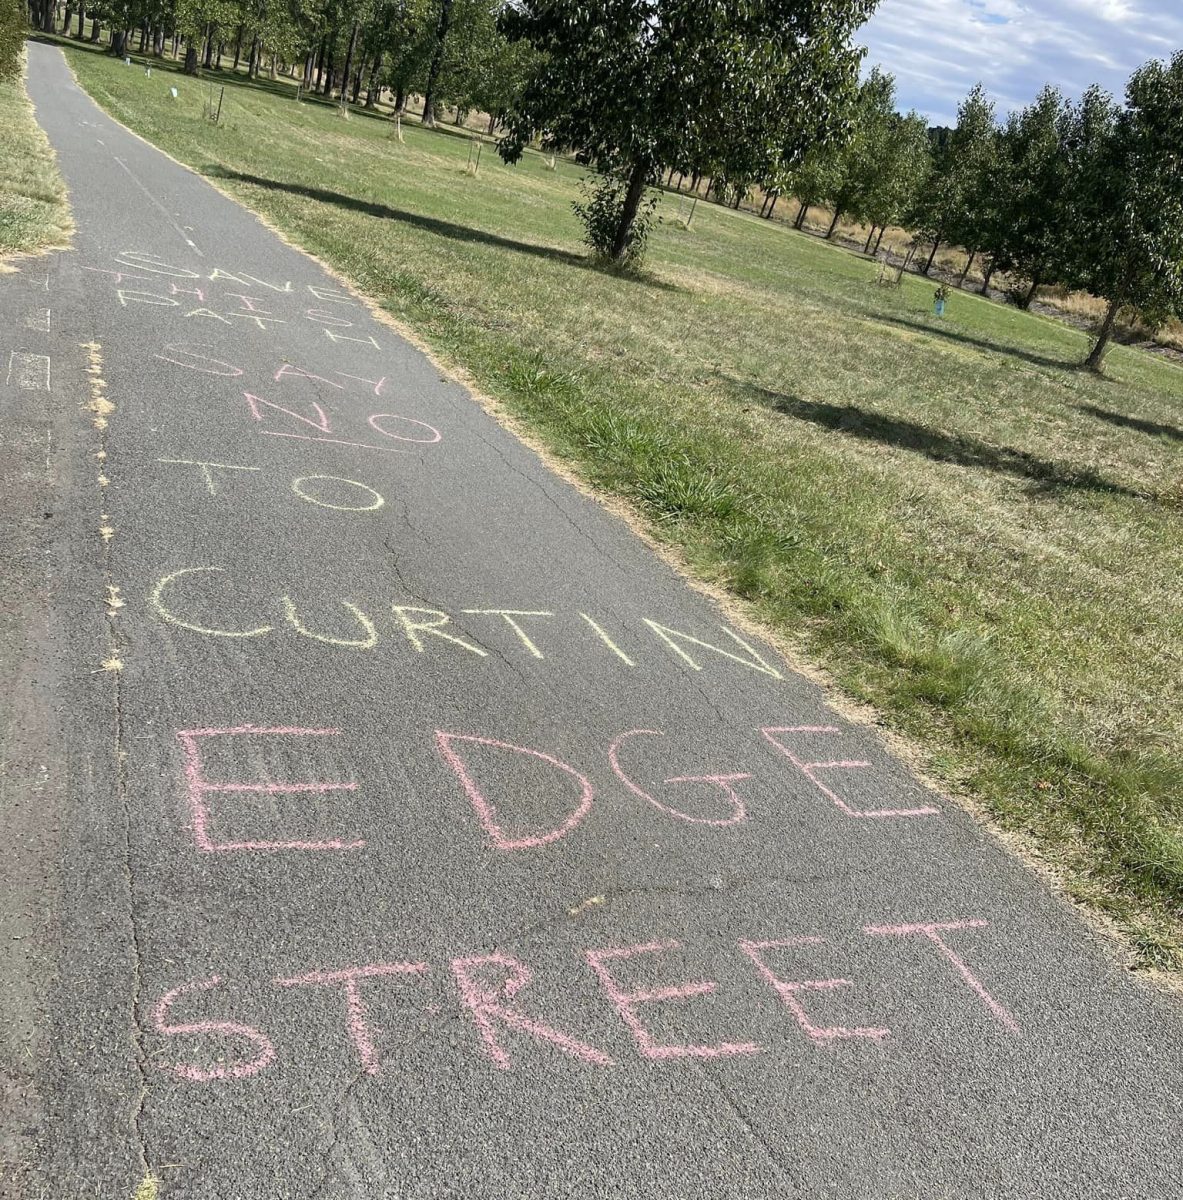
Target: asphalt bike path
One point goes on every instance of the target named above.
(387, 820)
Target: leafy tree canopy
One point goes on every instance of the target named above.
(735, 88)
(1125, 211)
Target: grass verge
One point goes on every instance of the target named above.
(34, 212)
(965, 530)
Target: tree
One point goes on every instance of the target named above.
(878, 175)
(697, 85)
(443, 23)
(409, 43)
(482, 68)
(900, 166)
(951, 199)
(1125, 207)
(12, 37)
(855, 167)
(813, 179)
(1022, 223)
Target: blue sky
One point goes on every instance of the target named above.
(938, 49)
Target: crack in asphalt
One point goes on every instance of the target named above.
(336, 1137)
(537, 484)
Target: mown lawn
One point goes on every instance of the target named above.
(964, 529)
(34, 212)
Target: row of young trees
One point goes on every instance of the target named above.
(1087, 194)
(450, 51)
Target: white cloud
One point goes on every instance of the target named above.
(938, 49)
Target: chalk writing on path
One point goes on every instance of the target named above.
(147, 280)
(395, 428)
(513, 802)
(178, 595)
(29, 372)
(777, 737)
(312, 489)
(492, 990)
(723, 782)
(199, 788)
(567, 799)
(185, 354)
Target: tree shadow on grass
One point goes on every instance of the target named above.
(1044, 476)
(1039, 360)
(1151, 427)
(433, 225)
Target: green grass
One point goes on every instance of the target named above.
(34, 213)
(965, 530)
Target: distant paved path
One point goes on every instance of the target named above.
(433, 838)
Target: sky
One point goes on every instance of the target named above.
(938, 49)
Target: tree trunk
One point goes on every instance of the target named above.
(252, 62)
(799, 219)
(628, 214)
(867, 247)
(932, 254)
(373, 90)
(96, 30)
(1025, 303)
(1097, 353)
(190, 58)
(347, 70)
(437, 63)
(833, 224)
(326, 62)
(772, 205)
(81, 19)
(492, 125)
(984, 290)
(238, 48)
(209, 48)
(67, 17)
(320, 64)
(400, 100)
(969, 262)
(118, 42)
(882, 229)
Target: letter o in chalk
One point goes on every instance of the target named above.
(378, 501)
(427, 441)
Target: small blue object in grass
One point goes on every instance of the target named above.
(939, 299)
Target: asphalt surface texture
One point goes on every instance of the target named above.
(385, 819)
